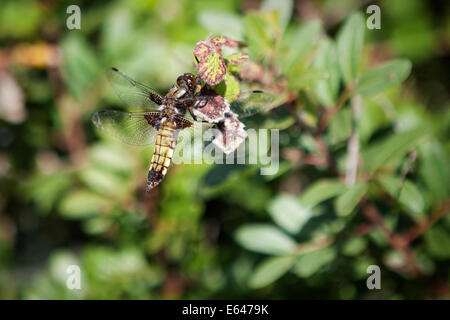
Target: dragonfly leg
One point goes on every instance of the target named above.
(192, 114)
(186, 102)
(202, 101)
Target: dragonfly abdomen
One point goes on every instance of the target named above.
(162, 155)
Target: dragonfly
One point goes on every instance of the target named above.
(162, 117)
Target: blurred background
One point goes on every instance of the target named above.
(71, 196)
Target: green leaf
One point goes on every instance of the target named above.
(284, 8)
(222, 23)
(270, 270)
(278, 121)
(350, 46)
(81, 66)
(307, 78)
(284, 167)
(322, 190)
(211, 66)
(288, 213)
(311, 262)
(410, 197)
(118, 28)
(372, 118)
(340, 126)
(437, 241)
(97, 225)
(82, 204)
(394, 259)
(219, 42)
(20, 19)
(257, 35)
(354, 246)
(46, 190)
(390, 148)
(237, 58)
(59, 261)
(383, 77)
(265, 238)
(220, 174)
(111, 156)
(435, 170)
(121, 264)
(297, 45)
(326, 90)
(202, 50)
(228, 88)
(103, 181)
(346, 202)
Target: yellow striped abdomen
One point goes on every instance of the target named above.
(162, 155)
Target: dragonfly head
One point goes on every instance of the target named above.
(190, 82)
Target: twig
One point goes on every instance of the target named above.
(353, 144)
(325, 159)
(412, 158)
(426, 223)
(326, 153)
(314, 245)
(373, 216)
(326, 117)
(397, 242)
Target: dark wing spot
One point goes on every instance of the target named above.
(153, 119)
(182, 123)
(156, 98)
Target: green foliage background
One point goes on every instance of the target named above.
(69, 195)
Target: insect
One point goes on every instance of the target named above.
(162, 118)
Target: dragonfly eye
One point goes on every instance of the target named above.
(190, 80)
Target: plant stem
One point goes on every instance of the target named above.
(327, 116)
(353, 143)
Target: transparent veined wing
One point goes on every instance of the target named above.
(251, 102)
(133, 93)
(129, 127)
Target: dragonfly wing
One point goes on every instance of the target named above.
(251, 102)
(133, 93)
(135, 128)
